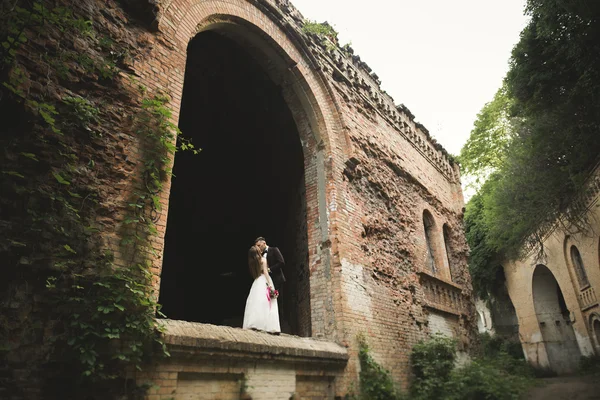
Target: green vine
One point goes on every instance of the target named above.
(375, 381)
(119, 304)
(98, 310)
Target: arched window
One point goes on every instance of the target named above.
(579, 268)
(447, 236)
(429, 225)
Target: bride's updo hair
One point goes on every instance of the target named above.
(255, 261)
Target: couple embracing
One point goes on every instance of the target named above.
(266, 267)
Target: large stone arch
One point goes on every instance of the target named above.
(181, 20)
(554, 321)
(307, 96)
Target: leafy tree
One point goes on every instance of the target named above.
(554, 80)
(432, 362)
(537, 141)
(483, 262)
(486, 147)
(493, 374)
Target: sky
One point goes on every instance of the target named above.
(442, 59)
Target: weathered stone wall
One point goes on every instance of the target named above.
(394, 174)
(370, 174)
(60, 210)
(550, 339)
(212, 362)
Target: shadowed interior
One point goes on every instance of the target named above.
(248, 181)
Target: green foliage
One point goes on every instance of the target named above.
(486, 148)
(320, 29)
(495, 346)
(432, 362)
(112, 323)
(480, 380)
(589, 365)
(375, 381)
(484, 265)
(113, 310)
(537, 140)
(497, 373)
(158, 132)
(82, 110)
(325, 32)
(101, 316)
(504, 355)
(18, 20)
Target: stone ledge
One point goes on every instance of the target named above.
(442, 308)
(197, 339)
(439, 279)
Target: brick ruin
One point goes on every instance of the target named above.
(299, 144)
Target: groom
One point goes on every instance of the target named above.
(275, 262)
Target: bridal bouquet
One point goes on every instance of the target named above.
(272, 293)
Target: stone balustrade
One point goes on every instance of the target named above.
(587, 298)
(442, 295)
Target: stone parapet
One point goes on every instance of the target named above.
(219, 362)
(224, 341)
(348, 69)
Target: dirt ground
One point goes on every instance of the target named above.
(566, 388)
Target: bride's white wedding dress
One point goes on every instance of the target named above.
(261, 312)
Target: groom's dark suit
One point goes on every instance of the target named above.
(276, 264)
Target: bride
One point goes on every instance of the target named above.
(261, 306)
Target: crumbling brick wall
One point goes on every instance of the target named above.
(370, 173)
(395, 172)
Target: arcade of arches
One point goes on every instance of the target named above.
(555, 299)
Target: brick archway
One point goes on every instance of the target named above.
(181, 20)
(305, 93)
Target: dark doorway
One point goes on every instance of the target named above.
(248, 181)
(554, 321)
(503, 313)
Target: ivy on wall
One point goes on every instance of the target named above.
(67, 306)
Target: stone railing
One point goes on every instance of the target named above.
(442, 295)
(348, 69)
(224, 341)
(587, 298)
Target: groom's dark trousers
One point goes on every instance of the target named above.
(276, 263)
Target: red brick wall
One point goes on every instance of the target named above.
(370, 173)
